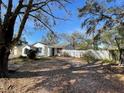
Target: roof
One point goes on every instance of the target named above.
(37, 43)
(52, 46)
(58, 45)
(70, 47)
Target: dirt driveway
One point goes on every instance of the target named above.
(63, 75)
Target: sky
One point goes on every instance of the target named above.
(73, 24)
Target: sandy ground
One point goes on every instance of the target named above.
(63, 75)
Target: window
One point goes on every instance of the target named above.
(39, 50)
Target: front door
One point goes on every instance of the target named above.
(53, 53)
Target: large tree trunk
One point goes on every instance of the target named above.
(4, 55)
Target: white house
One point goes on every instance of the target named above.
(43, 50)
(46, 50)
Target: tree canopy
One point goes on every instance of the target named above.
(101, 18)
(40, 11)
(75, 39)
(100, 15)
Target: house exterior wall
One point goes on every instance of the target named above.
(15, 52)
(46, 50)
(18, 51)
(49, 53)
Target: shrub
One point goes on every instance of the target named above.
(89, 58)
(109, 61)
(65, 54)
(31, 54)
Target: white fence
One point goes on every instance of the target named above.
(99, 54)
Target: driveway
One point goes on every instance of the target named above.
(63, 75)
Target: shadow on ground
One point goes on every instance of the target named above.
(63, 77)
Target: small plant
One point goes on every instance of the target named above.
(109, 61)
(31, 54)
(89, 58)
(65, 54)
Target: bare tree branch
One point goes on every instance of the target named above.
(50, 14)
(43, 4)
(4, 5)
(18, 8)
(42, 23)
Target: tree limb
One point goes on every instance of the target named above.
(42, 23)
(8, 13)
(23, 22)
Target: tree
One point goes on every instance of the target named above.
(107, 38)
(120, 42)
(75, 39)
(50, 39)
(21, 11)
(96, 13)
(86, 44)
(99, 16)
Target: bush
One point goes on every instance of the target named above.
(31, 54)
(65, 54)
(109, 61)
(89, 58)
